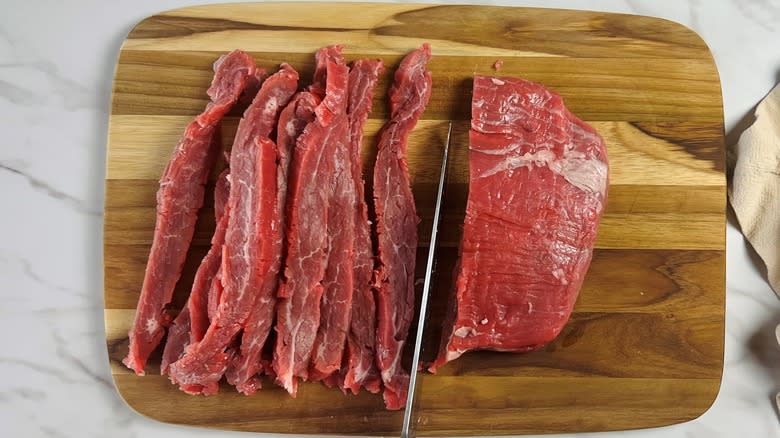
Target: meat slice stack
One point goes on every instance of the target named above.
(538, 186)
(298, 315)
(252, 242)
(248, 363)
(178, 200)
(397, 223)
(293, 246)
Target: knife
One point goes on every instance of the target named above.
(406, 429)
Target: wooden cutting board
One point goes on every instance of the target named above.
(644, 347)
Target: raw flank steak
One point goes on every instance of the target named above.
(538, 179)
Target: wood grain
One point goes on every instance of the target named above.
(644, 346)
(609, 89)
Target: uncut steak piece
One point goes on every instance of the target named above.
(178, 200)
(359, 367)
(243, 371)
(250, 247)
(538, 180)
(397, 223)
(191, 323)
(309, 192)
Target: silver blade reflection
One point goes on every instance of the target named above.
(407, 423)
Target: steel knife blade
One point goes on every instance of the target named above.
(408, 427)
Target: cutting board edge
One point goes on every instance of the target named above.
(175, 12)
(411, 6)
(697, 413)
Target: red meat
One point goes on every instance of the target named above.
(397, 223)
(178, 200)
(193, 320)
(359, 368)
(250, 240)
(292, 120)
(348, 272)
(311, 173)
(538, 186)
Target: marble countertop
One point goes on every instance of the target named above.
(56, 67)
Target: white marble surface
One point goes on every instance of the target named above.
(56, 66)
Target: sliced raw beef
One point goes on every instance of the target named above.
(294, 118)
(538, 185)
(359, 365)
(215, 293)
(178, 200)
(221, 198)
(318, 85)
(397, 223)
(338, 283)
(345, 207)
(253, 86)
(207, 271)
(250, 239)
(243, 372)
(177, 340)
(298, 313)
(191, 324)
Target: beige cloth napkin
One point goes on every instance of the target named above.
(755, 188)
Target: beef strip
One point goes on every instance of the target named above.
(178, 200)
(345, 204)
(538, 186)
(293, 120)
(338, 282)
(298, 314)
(221, 201)
(296, 115)
(215, 292)
(207, 271)
(190, 325)
(177, 340)
(250, 248)
(397, 223)
(359, 367)
(252, 87)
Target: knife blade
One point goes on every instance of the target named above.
(407, 427)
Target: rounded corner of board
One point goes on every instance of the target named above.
(707, 404)
(135, 405)
(138, 28)
(128, 401)
(146, 25)
(695, 39)
(710, 398)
